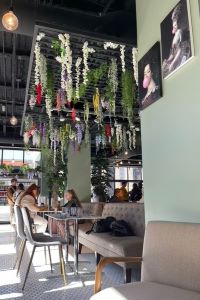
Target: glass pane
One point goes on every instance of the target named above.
(32, 158)
(120, 173)
(13, 157)
(137, 173)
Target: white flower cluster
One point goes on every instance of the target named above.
(78, 72)
(66, 65)
(122, 56)
(110, 45)
(26, 138)
(48, 102)
(134, 137)
(135, 63)
(43, 72)
(32, 101)
(36, 138)
(86, 51)
(113, 81)
(119, 136)
(37, 52)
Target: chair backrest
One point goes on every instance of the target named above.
(27, 225)
(171, 254)
(19, 222)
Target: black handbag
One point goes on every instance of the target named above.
(101, 226)
(121, 228)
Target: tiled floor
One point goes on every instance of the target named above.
(41, 283)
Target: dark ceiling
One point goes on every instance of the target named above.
(109, 19)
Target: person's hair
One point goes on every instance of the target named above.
(177, 12)
(13, 180)
(30, 189)
(74, 197)
(116, 191)
(21, 186)
(124, 183)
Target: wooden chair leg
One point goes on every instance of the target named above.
(127, 275)
(80, 248)
(97, 257)
(28, 269)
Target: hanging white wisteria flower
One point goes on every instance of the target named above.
(124, 137)
(135, 63)
(86, 51)
(37, 52)
(26, 138)
(119, 137)
(43, 72)
(129, 139)
(32, 101)
(36, 138)
(122, 56)
(133, 137)
(65, 59)
(113, 83)
(55, 139)
(48, 103)
(78, 72)
(112, 131)
(86, 113)
(110, 45)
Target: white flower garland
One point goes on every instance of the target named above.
(135, 63)
(129, 139)
(37, 52)
(122, 56)
(48, 102)
(113, 80)
(66, 65)
(36, 138)
(119, 136)
(26, 138)
(78, 72)
(86, 51)
(110, 45)
(43, 72)
(32, 101)
(133, 137)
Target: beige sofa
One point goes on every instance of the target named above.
(170, 267)
(105, 244)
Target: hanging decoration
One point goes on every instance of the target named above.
(86, 51)
(79, 132)
(26, 138)
(36, 138)
(48, 102)
(32, 102)
(96, 101)
(73, 115)
(135, 63)
(78, 72)
(65, 59)
(122, 56)
(119, 137)
(86, 113)
(108, 132)
(55, 139)
(38, 82)
(112, 85)
(129, 139)
(43, 72)
(110, 45)
(133, 137)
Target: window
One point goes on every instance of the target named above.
(32, 158)
(13, 157)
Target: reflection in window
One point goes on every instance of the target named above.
(32, 158)
(13, 157)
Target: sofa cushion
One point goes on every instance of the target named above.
(133, 213)
(172, 254)
(121, 246)
(146, 291)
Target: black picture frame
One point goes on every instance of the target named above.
(150, 77)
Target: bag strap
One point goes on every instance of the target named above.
(91, 230)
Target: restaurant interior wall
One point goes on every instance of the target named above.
(170, 127)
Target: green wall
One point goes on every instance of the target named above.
(171, 126)
(79, 172)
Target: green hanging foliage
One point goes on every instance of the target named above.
(128, 94)
(55, 175)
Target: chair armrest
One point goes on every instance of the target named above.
(109, 260)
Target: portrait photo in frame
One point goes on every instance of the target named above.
(150, 77)
(176, 38)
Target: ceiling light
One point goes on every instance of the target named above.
(13, 121)
(121, 162)
(77, 119)
(126, 152)
(9, 20)
(3, 108)
(62, 118)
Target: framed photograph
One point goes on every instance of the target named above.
(150, 78)
(176, 38)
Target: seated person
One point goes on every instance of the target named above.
(114, 198)
(123, 194)
(29, 199)
(135, 193)
(20, 189)
(10, 192)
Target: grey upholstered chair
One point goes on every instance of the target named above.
(170, 265)
(41, 241)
